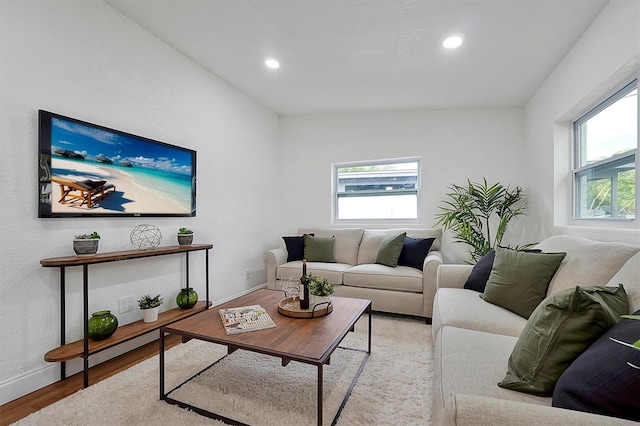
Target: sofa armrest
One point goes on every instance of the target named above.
(274, 258)
(482, 410)
(429, 275)
(452, 276)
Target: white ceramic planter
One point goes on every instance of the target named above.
(150, 315)
(321, 299)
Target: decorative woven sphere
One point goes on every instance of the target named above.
(145, 237)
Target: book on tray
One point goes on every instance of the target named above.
(245, 318)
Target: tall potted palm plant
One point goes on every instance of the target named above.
(470, 211)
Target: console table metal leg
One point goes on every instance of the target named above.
(63, 327)
(161, 356)
(320, 392)
(206, 271)
(187, 268)
(85, 290)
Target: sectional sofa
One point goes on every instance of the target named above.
(474, 340)
(354, 272)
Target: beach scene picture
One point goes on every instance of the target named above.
(99, 171)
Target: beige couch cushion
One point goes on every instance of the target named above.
(372, 239)
(463, 308)
(474, 410)
(587, 262)
(629, 277)
(472, 362)
(346, 245)
(400, 278)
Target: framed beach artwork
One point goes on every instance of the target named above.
(87, 170)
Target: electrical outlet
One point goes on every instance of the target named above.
(126, 304)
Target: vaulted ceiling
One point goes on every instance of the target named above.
(369, 55)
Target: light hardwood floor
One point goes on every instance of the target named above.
(22, 407)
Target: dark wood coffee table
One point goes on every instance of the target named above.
(283, 341)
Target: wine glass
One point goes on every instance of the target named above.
(293, 293)
(286, 285)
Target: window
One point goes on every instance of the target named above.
(606, 141)
(377, 190)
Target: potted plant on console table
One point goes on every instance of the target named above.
(321, 289)
(185, 236)
(149, 306)
(86, 244)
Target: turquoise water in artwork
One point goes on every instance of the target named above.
(175, 188)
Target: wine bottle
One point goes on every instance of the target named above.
(304, 291)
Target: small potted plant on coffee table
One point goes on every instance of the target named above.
(320, 288)
(86, 244)
(185, 236)
(149, 306)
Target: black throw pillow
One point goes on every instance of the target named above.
(600, 381)
(414, 250)
(295, 247)
(479, 275)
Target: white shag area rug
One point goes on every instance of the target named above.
(394, 387)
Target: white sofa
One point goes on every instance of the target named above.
(474, 339)
(403, 289)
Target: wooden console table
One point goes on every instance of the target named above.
(85, 347)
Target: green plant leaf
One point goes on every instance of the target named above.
(634, 317)
(469, 211)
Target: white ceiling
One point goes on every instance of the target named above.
(367, 55)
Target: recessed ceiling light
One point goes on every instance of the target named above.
(452, 42)
(272, 63)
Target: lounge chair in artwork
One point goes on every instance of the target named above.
(83, 192)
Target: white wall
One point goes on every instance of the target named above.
(453, 144)
(85, 60)
(605, 57)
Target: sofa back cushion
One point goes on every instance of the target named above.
(372, 240)
(588, 262)
(629, 277)
(347, 242)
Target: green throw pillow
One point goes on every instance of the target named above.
(519, 280)
(558, 331)
(319, 249)
(390, 249)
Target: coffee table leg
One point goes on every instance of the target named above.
(369, 336)
(320, 393)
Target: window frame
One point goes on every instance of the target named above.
(335, 195)
(578, 169)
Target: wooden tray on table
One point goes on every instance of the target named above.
(317, 310)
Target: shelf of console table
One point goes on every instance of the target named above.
(85, 347)
(122, 334)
